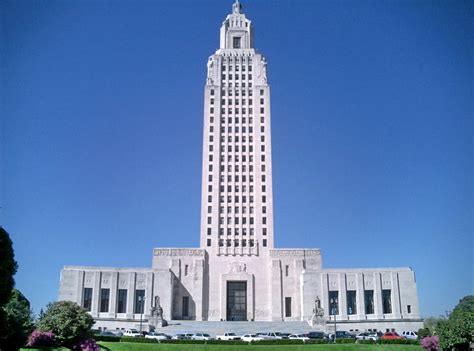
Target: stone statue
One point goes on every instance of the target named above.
(263, 69)
(317, 319)
(156, 319)
(210, 70)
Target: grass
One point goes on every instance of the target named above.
(128, 346)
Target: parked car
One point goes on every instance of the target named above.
(201, 336)
(341, 334)
(132, 332)
(410, 335)
(316, 335)
(302, 337)
(179, 337)
(367, 336)
(251, 337)
(271, 335)
(228, 336)
(157, 336)
(107, 333)
(391, 335)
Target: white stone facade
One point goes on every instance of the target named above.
(237, 274)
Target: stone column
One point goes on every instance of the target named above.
(131, 295)
(396, 306)
(342, 296)
(198, 281)
(276, 291)
(113, 295)
(96, 294)
(378, 295)
(80, 287)
(297, 310)
(148, 295)
(360, 297)
(325, 294)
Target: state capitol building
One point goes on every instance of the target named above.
(237, 274)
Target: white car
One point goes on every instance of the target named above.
(228, 336)
(201, 336)
(411, 335)
(251, 337)
(132, 332)
(302, 337)
(271, 336)
(367, 336)
(157, 336)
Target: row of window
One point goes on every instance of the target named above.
(236, 76)
(236, 110)
(237, 84)
(236, 177)
(236, 168)
(236, 220)
(243, 91)
(237, 67)
(351, 297)
(236, 209)
(236, 120)
(236, 231)
(104, 300)
(239, 242)
(237, 101)
(236, 158)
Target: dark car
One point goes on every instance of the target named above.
(316, 335)
(342, 334)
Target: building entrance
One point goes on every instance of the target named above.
(236, 301)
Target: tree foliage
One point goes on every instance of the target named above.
(458, 330)
(18, 321)
(69, 322)
(8, 267)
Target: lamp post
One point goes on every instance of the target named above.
(333, 302)
(141, 300)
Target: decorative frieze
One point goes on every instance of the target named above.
(178, 252)
(294, 253)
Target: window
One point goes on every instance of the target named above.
(122, 301)
(212, 91)
(186, 269)
(264, 231)
(287, 306)
(333, 303)
(87, 299)
(408, 308)
(264, 242)
(104, 300)
(208, 242)
(208, 231)
(139, 301)
(236, 42)
(387, 300)
(209, 208)
(369, 301)
(351, 302)
(287, 270)
(261, 91)
(185, 311)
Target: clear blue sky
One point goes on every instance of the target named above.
(372, 112)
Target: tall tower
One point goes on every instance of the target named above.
(237, 200)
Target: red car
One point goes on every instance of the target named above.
(391, 335)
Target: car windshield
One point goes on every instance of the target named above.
(205, 334)
(231, 334)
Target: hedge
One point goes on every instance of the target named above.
(108, 338)
(138, 340)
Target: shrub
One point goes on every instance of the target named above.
(69, 322)
(39, 338)
(345, 341)
(138, 340)
(367, 342)
(398, 341)
(430, 343)
(86, 345)
(107, 338)
(423, 332)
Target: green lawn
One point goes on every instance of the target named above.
(127, 346)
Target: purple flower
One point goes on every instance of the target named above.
(430, 343)
(39, 338)
(86, 345)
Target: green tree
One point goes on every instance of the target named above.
(8, 267)
(457, 331)
(18, 321)
(68, 321)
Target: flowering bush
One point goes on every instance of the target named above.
(430, 343)
(39, 338)
(86, 345)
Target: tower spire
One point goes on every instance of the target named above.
(236, 7)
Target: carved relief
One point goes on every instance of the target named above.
(237, 267)
(178, 252)
(261, 313)
(294, 253)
